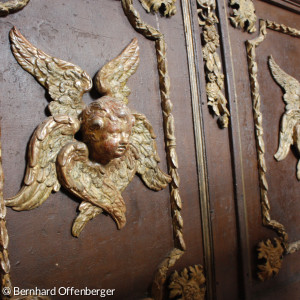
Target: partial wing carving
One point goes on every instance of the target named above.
(89, 181)
(112, 78)
(65, 82)
(40, 178)
(290, 123)
(143, 139)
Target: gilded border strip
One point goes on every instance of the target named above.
(251, 45)
(151, 33)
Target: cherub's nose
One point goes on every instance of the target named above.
(124, 138)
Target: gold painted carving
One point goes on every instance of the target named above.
(243, 15)
(12, 6)
(270, 255)
(117, 143)
(291, 98)
(214, 76)
(152, 33)
(165, 7)
(188, 285)
(290, 122)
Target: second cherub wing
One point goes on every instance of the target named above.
(65, 82)
(143, 139)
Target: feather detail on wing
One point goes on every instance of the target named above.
(65, 82)
(40, 178)
(290, 85)
(143, 139)
(112, 78)
(90, 182)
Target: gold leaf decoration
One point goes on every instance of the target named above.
(243, 15)
(189, 284)
(12, 6)
(290, 122)
(270, 256)
(165, 7)
(213, 67)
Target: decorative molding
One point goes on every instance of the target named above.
(282, 242)
(12, 6)
(291, 5)
(213, 67)
(189, 284)
(165, 7)
(290, 121)
(152, 33)
(270, 255)
(243, 15)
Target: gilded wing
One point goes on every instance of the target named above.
(65, 82)
(40, 178)
(289, 84)
(112, 78)
(143, 139)
(89, 181)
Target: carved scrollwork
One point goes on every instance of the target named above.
(165, 7)
(189, 284)
(270, 254)
(12, 6)
(214, 76)
(243, 15)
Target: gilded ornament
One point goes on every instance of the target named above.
(282, 28)
(165, 7)
(270, 255)
(213, 67)
(155, 35)
(188, 285)
(12, 6)
(290, 121)
(117, 143)
(243, 15)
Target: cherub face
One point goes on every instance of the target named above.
(106, 127)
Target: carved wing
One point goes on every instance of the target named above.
(90, 182)
(65, 82)
(112, 78)
(143, 139)
(290, 85)
(40, 178)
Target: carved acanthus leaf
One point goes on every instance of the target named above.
(189, 284)
(243, 15)
(290, 122)
(270, 256)
(12, 6)
(165, 7)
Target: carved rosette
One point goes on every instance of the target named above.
(165, 7)
(243, 15)
(270, 256)
(188, 285)
(213, 67)
(12, 6)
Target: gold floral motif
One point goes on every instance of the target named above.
(214, 76)
(12, 6)
(189, 284)
(166, 7)
(243, 15)
(290, 121)
(152, 33)
(270, 256)
(117, 143)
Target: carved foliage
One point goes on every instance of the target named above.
(189, 284)
(243, 15)
(270, 257)
(214, 76)
(165, 7)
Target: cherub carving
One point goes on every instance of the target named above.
(290, 123)
(117, 142)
